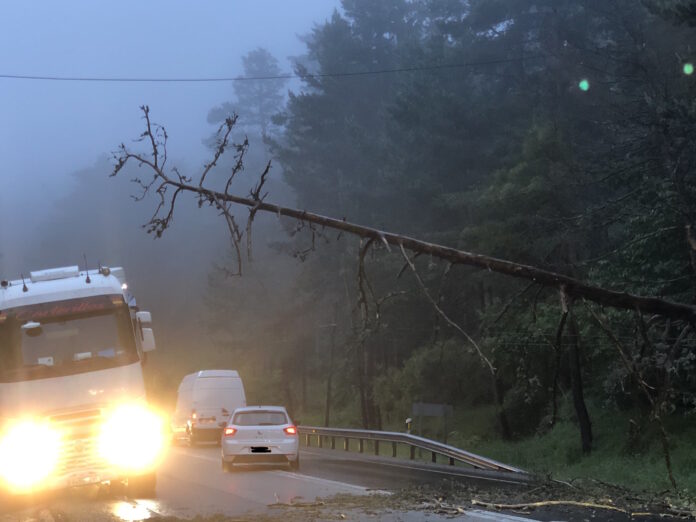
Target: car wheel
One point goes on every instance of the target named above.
(142, 486)
(227, 467)
(192, 441)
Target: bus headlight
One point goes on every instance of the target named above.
(133, 438)
(29, 452)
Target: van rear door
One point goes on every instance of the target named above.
(215, 398)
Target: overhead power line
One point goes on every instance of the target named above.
(262, 78)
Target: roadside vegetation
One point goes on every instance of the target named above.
(557, 134)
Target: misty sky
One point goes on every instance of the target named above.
(50, 129)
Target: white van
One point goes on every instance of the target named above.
(204, 404)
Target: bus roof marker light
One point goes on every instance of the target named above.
(688, 68)
(584, 85)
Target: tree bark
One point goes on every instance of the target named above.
(573, 287)
(575, 367)
(329, 377)
(502, 416)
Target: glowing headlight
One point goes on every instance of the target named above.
(133, 438)
(28, 454)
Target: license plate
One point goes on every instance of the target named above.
(81, 481)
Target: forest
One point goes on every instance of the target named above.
(554, 134)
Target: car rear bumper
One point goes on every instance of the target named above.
(260, 458)
(259, 450)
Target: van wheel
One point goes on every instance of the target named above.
(142, 486)
(227, 467)
(117, 489)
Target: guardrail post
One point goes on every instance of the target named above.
(433, 457)
(307, 440)
(413, 452)
(333, 442)
(394, 449)
(321, 441)
(361, 443)
(451, 461)
(346, 444)
(376, 447)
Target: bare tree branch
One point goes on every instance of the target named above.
(223, 200)
(656, 404)
(442, 313)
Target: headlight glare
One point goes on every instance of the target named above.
(133, 438)
(29, 452)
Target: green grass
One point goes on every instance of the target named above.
(558, 453)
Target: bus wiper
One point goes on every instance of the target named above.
(93, 358)
(25, 367)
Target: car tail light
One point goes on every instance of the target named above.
(229, 432)
(290, 430)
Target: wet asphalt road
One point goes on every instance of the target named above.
(191, 482)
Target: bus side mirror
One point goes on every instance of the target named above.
(147, 339)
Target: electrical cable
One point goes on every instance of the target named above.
(266, 78)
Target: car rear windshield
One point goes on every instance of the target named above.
(260, 418)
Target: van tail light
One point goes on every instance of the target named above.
(290, 430)
(229, 432)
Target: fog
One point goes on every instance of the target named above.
(51, 129)
(57, 202)
(548, 140)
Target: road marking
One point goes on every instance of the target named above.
(295, 475)
(425, 469)
(196, 455)
(323, 481)
(489, 515)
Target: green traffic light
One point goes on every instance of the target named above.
(688, 69)
(584, 85)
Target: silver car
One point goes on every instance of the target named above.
(260, 434)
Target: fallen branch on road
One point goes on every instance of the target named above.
(575, 503)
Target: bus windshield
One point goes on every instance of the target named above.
(65, 337)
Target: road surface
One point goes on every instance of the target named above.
(191, 482)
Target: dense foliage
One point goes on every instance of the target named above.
(556, 133)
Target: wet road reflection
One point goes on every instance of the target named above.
(135, 510)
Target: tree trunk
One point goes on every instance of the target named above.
(329, 377)
(576, 385)
(362, 385)
(498, 398)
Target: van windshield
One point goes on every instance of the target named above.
(65, 337)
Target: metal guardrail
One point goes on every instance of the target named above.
(413, 441)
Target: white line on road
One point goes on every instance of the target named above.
(319, 480)
(195, 455)
(295, 475)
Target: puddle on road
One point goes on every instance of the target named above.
(134, 511)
